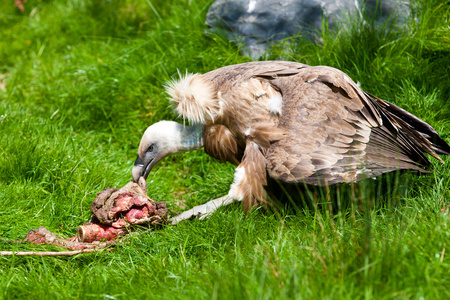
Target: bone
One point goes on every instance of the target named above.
(143, 184)
(90, 232)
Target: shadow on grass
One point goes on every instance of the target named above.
(382, 192)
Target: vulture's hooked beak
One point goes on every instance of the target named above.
(142, 169)
(138, 169)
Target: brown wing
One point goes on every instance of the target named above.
(339, 133)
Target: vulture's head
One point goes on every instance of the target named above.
(162, 139)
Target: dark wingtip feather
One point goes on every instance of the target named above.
(438, 145)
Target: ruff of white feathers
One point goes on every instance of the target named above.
(194, 99)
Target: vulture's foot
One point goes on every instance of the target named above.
(202, 211)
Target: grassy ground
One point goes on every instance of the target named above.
(81, 80)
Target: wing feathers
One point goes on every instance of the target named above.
(350, 134)
(324, 130)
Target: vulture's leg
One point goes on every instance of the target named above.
(248, 187)
(204, 210)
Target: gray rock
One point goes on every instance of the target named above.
(255, 24)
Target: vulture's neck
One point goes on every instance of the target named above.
(190, 138)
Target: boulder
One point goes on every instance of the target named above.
(255, 24)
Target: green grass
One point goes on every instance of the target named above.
(83, 79)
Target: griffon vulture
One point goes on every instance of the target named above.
(288, 121)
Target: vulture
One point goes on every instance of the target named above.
(289, 122)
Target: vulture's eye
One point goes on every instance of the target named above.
(150, 149)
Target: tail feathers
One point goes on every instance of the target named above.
(413, 133)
